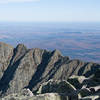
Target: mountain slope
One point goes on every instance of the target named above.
(29, 68)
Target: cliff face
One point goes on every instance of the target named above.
(29, 68)
(6, 53)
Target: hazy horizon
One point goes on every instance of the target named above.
(50, 10)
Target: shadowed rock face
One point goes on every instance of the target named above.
(29, 68)
(6, 53)
(56, 86)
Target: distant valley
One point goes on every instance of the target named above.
(77, 40)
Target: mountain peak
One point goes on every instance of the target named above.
(56, 52)
(21, 67)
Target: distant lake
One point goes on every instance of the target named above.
(77, 40)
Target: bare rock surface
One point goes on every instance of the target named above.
(6, 53)
(22, 68)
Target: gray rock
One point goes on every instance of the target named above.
(94, 97)
(29, 68)
(84, 92)
(26, 92)
(95, 89)
(47, 96)
(77, 81)
(56, 86)
(6, 53)
(61, 87)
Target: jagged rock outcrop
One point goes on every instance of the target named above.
(95, 97)
(60, 87)
(89, 88)
(59, 91)
(6, 53)
(56, 86)
(77, 81)
(21, 67)
(47, 96)
(26, 92)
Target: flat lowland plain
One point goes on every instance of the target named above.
(77, 40)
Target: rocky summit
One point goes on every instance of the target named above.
(37, 74)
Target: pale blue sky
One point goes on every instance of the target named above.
(50, 10)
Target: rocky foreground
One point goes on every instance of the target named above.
(36, 74)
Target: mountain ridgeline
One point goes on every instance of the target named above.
(23, 68)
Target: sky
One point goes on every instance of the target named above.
(50, 10)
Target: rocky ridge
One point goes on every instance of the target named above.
(23, 68)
